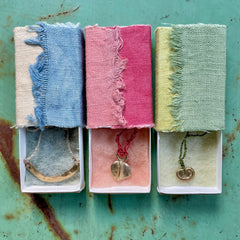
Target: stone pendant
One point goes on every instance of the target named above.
(120, 170)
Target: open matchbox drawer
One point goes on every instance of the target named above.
(139, 182)
(205, 159)
(29, 183)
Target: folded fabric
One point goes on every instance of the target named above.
(57, 75)
(118, 71)
(190, 77)
(24, 56)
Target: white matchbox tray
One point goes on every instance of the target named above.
(217, 189)
(122, 189)
(50, 188)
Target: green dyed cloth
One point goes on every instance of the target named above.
(199, 63)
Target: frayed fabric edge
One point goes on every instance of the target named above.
(176, 77)
(119, 65)
(39, 74)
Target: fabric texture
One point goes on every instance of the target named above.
(198, 59)
(24, 56)
(163, 96)
(104, 68)
(118, 70)
(58, 75)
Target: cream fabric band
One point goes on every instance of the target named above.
(24, 56)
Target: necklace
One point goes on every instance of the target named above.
(120, 169)
(186, 173)
(59, 178)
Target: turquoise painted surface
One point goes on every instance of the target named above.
(148, 216)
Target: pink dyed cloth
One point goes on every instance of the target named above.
(119, 76)
(104, 150)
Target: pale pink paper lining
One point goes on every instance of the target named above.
(104, 150)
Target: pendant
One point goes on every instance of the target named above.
(186, 175)
(120, 170)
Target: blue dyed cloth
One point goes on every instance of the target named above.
(58, 75)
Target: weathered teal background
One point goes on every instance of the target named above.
(147, 216)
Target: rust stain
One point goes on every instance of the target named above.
(113, 228)
(178, 197)
(164, 17)
(142, 218)
(64, 13)
(90, 195)
(183, 238)
(224, 151)
(1, 63)
(155, 218)
(49, 215)
(145, 229)
(237, 78)
(152, 231)
(230, 137)
(9, 216)
(11, 40)
(110, 204)
(6, 149)
(238, 126)
(76, 232)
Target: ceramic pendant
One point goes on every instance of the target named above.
(186, 175)
(120, 170)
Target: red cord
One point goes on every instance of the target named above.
(122, 151)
